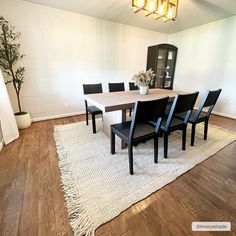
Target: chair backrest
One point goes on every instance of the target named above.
(92, 88)
(132, 86)
(184, 104)
(209, 101)
(146, 111)
(116, 87)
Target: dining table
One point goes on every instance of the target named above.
(115, 105)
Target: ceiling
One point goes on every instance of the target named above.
(192, 13)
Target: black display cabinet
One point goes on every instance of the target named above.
(161, 59)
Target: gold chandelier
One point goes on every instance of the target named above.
(165, 9)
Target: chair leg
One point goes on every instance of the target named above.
(193, 134)
(205, 129)
(156, 149)
(113, 146)
(161, 133)
(184, 138)
(131, 169)
(86, 117)
(94, 124)
(130, 112)
(165, 144)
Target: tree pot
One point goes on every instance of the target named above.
(23, 120)
(143, 90)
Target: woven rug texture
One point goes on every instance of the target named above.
(97, 185)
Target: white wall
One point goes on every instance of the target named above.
(64, 50)
(207, 60)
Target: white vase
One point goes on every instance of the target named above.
(23, 120)
(143, 90)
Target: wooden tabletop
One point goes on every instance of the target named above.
(115, 101)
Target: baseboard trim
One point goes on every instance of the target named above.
(57, 116)
(1, 145)
(224, 115)
(220, 114)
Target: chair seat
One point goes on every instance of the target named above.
(201, 117)
(175, 124)
(142, 131)
(94, 110)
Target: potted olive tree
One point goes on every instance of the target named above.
(9, 58)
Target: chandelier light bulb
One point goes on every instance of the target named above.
(160, 10)
(140, 3)
(151, 6)
(171, 11)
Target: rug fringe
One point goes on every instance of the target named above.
(79, 219)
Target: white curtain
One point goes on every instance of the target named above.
(8, 123)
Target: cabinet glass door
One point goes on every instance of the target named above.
(169, 70)
(161, 65)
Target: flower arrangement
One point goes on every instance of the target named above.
(144, 78)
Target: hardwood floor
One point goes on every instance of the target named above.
(32, 202)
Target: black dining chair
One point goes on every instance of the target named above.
(116, 87)
(138, 129)
(132, 86)
(93, 110)
(182, 104)
(208, 101)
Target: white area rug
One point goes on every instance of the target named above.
(98, 186)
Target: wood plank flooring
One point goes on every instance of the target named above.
(32, 201)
